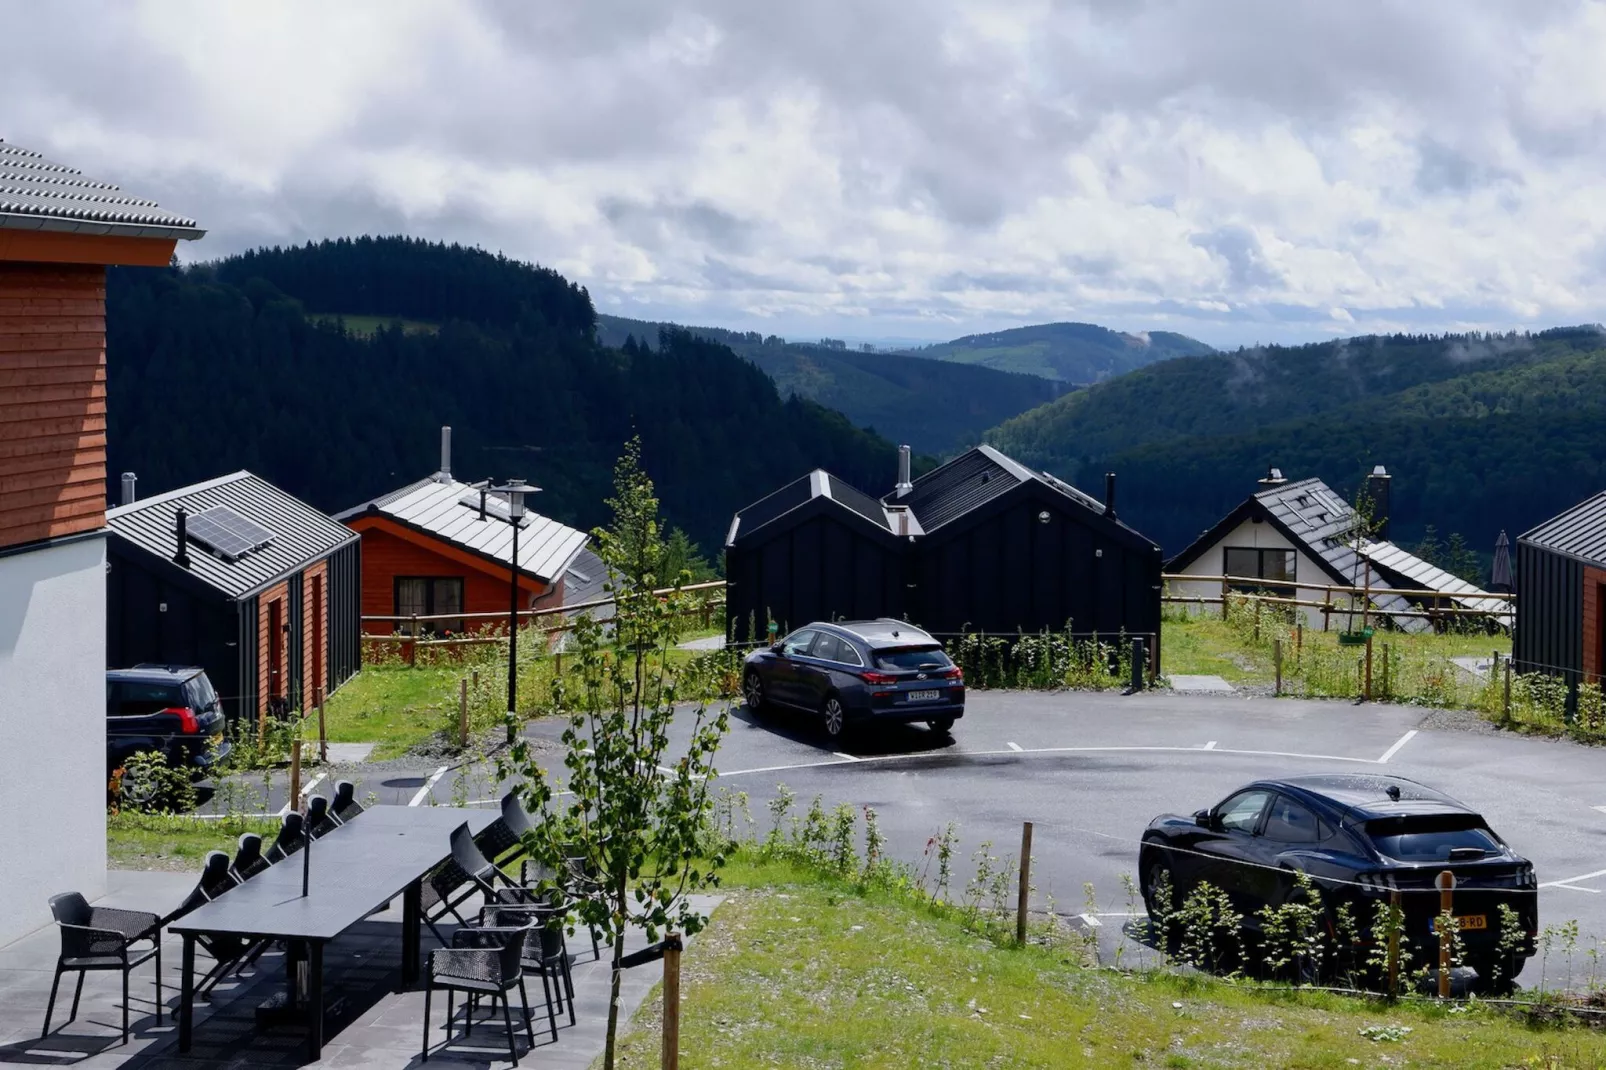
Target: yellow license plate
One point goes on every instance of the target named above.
(1465, 922)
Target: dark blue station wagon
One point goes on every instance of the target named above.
(852, 672)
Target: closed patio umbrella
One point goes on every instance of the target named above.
(1500, 574)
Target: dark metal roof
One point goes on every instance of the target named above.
(586, 580)
(818, 484)
(1579, 532)
(946, 493)
(301, 534)
(36, 194)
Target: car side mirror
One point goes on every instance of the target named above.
(1203, 819)
(777, 648)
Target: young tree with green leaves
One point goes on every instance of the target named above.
(630, 840)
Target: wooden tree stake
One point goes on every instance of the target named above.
(1508, 690)
(1394, 945)
(1025, 881)
(462, 713)
(1277, 660)
(295, 773)
(1446, 882)
(672, 946)
(1368, 689)
(323, 737)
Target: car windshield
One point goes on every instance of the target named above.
(1430, 838)
(912, 657)
(200, 693)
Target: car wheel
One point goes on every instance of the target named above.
(138, 789)
(753, 691)
(836, 717)
(941, 725)
(1497, 975)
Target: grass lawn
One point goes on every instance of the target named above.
(368, 326)
(165, 841)
(800, 970)
(394, 706)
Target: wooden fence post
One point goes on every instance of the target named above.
(1299, 642)
(295, 773)
(1258, 605)
(1394, 944)
(1368, 690)
(1508, 691)
(671, 1057)
(1388, 680)
(1025, 882)
(1223, 598)
(323, 737)
(462, 713)
(476, 681)
(1327, 609)
(1277, 660)
(1446, 882)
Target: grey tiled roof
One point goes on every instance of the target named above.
(37, 194)
(1579, 532)
(302, 535)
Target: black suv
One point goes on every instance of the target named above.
(170, 709)
(854, 671)
(1359, 838)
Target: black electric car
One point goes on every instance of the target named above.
(1359, 838)
(851, 672)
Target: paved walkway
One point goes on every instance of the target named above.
(1186, 682)
(376, 1027)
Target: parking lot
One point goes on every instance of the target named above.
(1091, 769)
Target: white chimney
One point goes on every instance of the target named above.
(900, 519)
(128, 489)
(446, 454)
(904, 485)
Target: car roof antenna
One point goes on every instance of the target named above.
(1393, 792)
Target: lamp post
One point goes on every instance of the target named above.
(514, 490)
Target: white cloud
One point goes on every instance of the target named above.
(1236, 169)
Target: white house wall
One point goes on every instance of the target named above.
(52, 729)
(1261, 536)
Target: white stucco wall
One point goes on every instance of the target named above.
(1260, 536)
(52, 729)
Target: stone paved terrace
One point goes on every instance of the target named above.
(377, 1028)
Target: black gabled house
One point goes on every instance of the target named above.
(981, 543)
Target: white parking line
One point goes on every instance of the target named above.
(1566, 881)
(1211, 745)
(1091, 921)
(1012, 745)
(1602, 809)
(305, 789)
(1392, 751)
(423, 792)
(845, 757)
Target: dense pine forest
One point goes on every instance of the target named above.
(248, 363)
(1481, 432)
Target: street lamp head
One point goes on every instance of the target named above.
(514, 491)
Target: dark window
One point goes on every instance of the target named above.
(1246, 561)
(199, 694)
(797, 644)
(911, 657)
(1431, 838)
(1241, 813)
(826, 648)
(430, 596)
(847, 654)
(1289, 822)
(130, 698)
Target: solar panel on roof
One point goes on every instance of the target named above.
(227, 533)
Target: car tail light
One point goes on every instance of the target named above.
(955, 673)
(186, 719)
(870, 676)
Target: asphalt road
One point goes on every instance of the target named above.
(1091, 770)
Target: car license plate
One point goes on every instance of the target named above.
(1464, 922)
(924, 696)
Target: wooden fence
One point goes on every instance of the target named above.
(1362, 599)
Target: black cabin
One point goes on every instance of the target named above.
(1561, 588)
(234, 575)
(981, 544)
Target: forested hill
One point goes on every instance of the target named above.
(1074, 353)
(935, 406)
(219, 367)
(1481, 432)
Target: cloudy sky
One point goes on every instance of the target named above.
(876, 169)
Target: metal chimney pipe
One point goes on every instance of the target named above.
(1109, 495)
(128, 489)
(181, 551)
(446, 454)
(904, 484)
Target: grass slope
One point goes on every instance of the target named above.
(1075, 353)
(368, 326)
(800, 970)
(935, 407)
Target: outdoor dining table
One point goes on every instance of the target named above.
(355, 870)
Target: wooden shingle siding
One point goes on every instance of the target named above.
(52, 401)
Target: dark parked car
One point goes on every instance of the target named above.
(1359, 837)
(855, 671)
(169, 709)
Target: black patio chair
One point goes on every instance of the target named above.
(289, 840)
(480, 962)
(101, 938)
(545, 954)
(457, 880)
(503, 839)
(226, 950)
(320, 819)
(345, 805)
(248, 859)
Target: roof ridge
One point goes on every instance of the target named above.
(179, 492)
